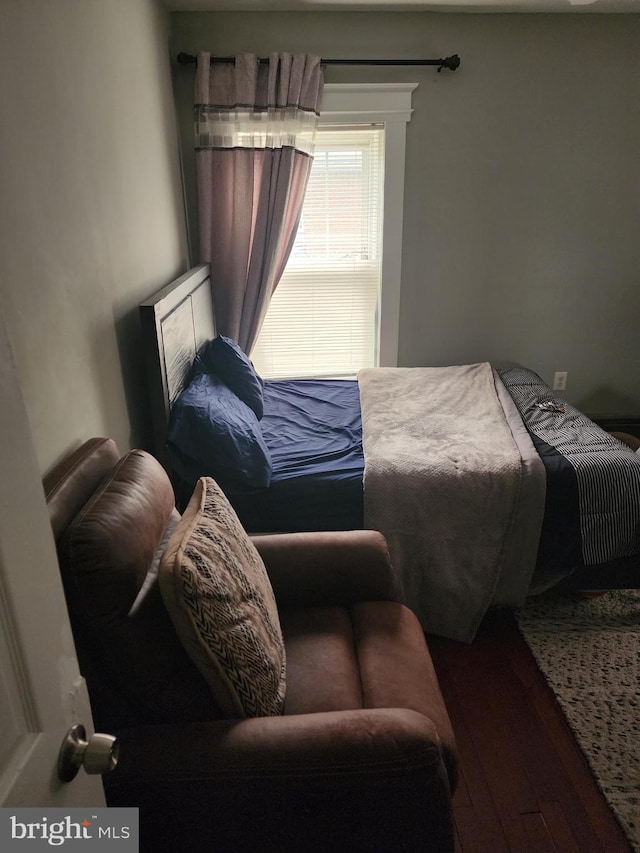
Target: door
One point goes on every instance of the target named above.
(41, 691)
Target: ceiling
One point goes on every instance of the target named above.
(581, 6)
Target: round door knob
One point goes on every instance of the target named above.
(98, 754)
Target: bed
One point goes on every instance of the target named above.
(496, 485)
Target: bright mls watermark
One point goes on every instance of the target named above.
(26, 829)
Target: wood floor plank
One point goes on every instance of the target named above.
(559, 829)
(541, 762)
(479, 832)
(477, 819)
(516, 833)
(586, 797)
(525, 784)
(474, 799)
(538, 833)
(497, 749)
(573, 761)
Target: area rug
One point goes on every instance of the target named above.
(589, 653)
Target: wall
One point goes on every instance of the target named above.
(522, 202)
(92, 209)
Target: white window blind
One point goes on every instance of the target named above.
(322, 319)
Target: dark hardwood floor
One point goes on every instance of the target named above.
(525, 786)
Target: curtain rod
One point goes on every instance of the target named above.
(450, 62)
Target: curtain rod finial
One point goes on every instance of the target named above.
(450, 62)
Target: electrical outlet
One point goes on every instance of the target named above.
(560, 380)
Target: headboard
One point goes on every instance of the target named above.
(176, 321)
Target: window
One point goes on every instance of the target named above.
(335, 309)
(322, 320)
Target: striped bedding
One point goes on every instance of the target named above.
(593, 480)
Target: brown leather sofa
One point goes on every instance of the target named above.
(363, 757)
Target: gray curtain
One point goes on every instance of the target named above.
(254, 134)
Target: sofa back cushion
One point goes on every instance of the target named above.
(135, 666)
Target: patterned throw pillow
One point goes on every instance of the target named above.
(218, 594)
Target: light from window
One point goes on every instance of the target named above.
(323, 317)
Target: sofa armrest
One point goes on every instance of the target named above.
(344, 780)
(328, 567)
(364, 741)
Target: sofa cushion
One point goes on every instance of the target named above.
(135, 666)
(372, 654)
(219, 597)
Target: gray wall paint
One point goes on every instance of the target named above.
(92, 209)
(522, 197)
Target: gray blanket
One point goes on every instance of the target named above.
(446, 483)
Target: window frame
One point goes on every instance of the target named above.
(388, 104)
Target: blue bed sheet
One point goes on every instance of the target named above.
(313, 431)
